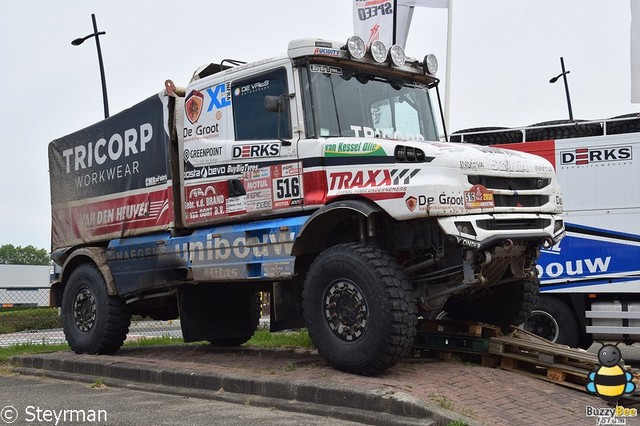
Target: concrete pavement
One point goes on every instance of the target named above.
(416, 391)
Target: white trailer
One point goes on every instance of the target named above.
(590, 281)
(24, 285)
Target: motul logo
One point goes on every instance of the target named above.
(370, 178)
(582, 156)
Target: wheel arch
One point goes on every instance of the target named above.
(94, 255)
(314, 235)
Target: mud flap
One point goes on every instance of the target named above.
(215, 311)
(286, 306)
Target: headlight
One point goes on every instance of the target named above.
(430, 64)
(356, 47)
(378, 51)
(397, 55)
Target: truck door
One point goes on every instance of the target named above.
(266, 173)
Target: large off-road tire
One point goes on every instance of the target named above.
(93, 322)
(489, 135)
(359, 308)
(248, 302)
(626, 126)
(555, 321)
(503, 305)
(573, 129)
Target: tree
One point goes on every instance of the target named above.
(28, 255)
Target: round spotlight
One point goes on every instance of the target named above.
(356, 47)
(397, 55)
(378, 51)
(430, 64)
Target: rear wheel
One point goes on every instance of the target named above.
(359, 308)
(93, 322)
(243, 302)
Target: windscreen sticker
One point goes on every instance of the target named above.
(325, 69)
(387, 133)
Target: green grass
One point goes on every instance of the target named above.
(261, 338)
(266, 339)
(29, 348)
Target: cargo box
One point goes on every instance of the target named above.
(113, 179)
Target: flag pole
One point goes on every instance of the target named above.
(447, 87)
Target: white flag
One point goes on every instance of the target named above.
(405, 13)
(373, 20)
(635, 51)
(424, 3)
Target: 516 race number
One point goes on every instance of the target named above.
(287, 188)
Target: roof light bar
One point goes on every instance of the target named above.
(397, 55)
(430, 64)
(356, 47)
(378, 51)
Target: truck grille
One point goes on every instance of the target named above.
(499, 225)
(520, 200)
(507, 190)
(510, 183)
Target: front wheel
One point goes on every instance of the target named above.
(93, 322)
(359, 308)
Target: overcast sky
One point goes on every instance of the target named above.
(503, 54)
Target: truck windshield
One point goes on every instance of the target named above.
(347, 102)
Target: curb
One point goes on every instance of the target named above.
(383, 406)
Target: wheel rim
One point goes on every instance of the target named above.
(542, 324)
(345, 309)
(84, 310)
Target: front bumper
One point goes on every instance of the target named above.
(485, 230)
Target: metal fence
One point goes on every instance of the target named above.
(27, 318)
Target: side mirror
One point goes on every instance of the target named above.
(276, 103)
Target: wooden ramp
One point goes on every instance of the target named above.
(519, 351)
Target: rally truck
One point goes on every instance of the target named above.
(590, 281)
(318, 177)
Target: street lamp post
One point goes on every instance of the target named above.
(96, 34)
(563, 74)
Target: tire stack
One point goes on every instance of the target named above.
(571, 129)
(631, 125)
(487, 135)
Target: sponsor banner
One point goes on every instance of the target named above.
(104, 219)
(125, 152)
(205, 201)
(257, 250)
(586, 255)
(343, 149)
(441, 204)
(205, 110)
(369, 181)
(597, 155)
(267, 187)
